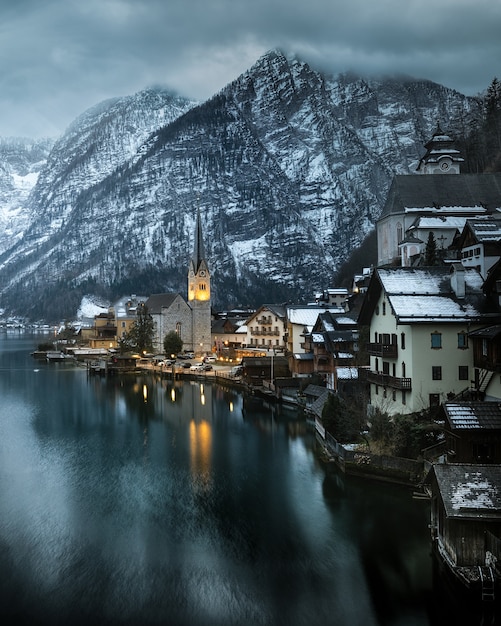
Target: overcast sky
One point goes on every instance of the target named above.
(59, 57)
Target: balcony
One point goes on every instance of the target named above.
(383, 350)
(385, 380)
(264, 320)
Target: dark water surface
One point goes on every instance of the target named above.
(134, 501)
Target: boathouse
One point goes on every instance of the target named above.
(466, 523)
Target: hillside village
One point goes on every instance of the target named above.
(406, 362)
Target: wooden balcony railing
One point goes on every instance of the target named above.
(385, 380)
(388, 350)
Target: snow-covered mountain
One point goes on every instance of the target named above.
(289, 168)
(20, 163)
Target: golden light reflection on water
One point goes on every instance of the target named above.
(200, 452)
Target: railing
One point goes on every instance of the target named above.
(388, 350)
(385, 380)
(264, 320)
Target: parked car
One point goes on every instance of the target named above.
(207, 367)
(210, 359)
(186, 365)
(197, 367)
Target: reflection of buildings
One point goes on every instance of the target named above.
(200, 451)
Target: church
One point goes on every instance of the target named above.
(439, 198)
(190, 319)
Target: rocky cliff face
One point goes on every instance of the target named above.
(290, 169)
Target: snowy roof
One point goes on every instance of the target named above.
(303, 356)
(471, 491)
(486, 230)
(347, 373)
(440, 222)
(307, 316)
(473, 415)
(419, 295)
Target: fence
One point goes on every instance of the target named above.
(379, 465)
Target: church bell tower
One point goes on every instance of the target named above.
(199, 294)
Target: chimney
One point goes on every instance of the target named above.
(457, 280)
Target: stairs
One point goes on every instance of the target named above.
(487, 583)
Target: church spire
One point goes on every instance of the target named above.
(198, 248)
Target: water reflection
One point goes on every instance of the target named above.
(120, 506)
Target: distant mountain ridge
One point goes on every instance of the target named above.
(289, 167)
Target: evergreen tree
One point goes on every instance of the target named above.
(430, 253)
(173, 344)
(140, 336)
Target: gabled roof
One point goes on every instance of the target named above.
(473, 415)
(470, 491)
(275, 309)
(425, 295)
(158, 301)
(444, 194)
(482, 230)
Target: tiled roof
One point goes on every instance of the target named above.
(473, 415)
(471, 491)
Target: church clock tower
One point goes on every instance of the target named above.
(199, 294)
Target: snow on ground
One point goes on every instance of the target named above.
(89, 308)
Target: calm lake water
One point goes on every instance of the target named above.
(134, 501)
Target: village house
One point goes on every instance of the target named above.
(266, 328)
(419, 322)
(480, 244)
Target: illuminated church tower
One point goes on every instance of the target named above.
(199, 294)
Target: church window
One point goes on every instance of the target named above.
(178, 328)
(399, 232)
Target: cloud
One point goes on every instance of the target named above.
(58, 57)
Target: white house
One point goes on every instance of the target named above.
(419, 320)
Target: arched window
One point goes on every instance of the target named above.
(400, 232)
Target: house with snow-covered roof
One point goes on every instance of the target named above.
(419, 320)
(480, 243)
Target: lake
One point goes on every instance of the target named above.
(137, 500)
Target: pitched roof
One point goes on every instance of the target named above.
(470, 491)
(425, 294)
(473, 415)
(444, 193)
(158, 301)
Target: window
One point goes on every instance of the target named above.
(404, 397)
(434, 399)
(484, 347)
(400, 231)
(463, 372)
(402, 341)
(178, 328)
(436, 340)
(462, 340)
(436, 372)
(403, 369)
(384, 308)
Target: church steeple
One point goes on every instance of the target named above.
(441, 156)
(198, 248)
(199, 294)
(198, 271)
